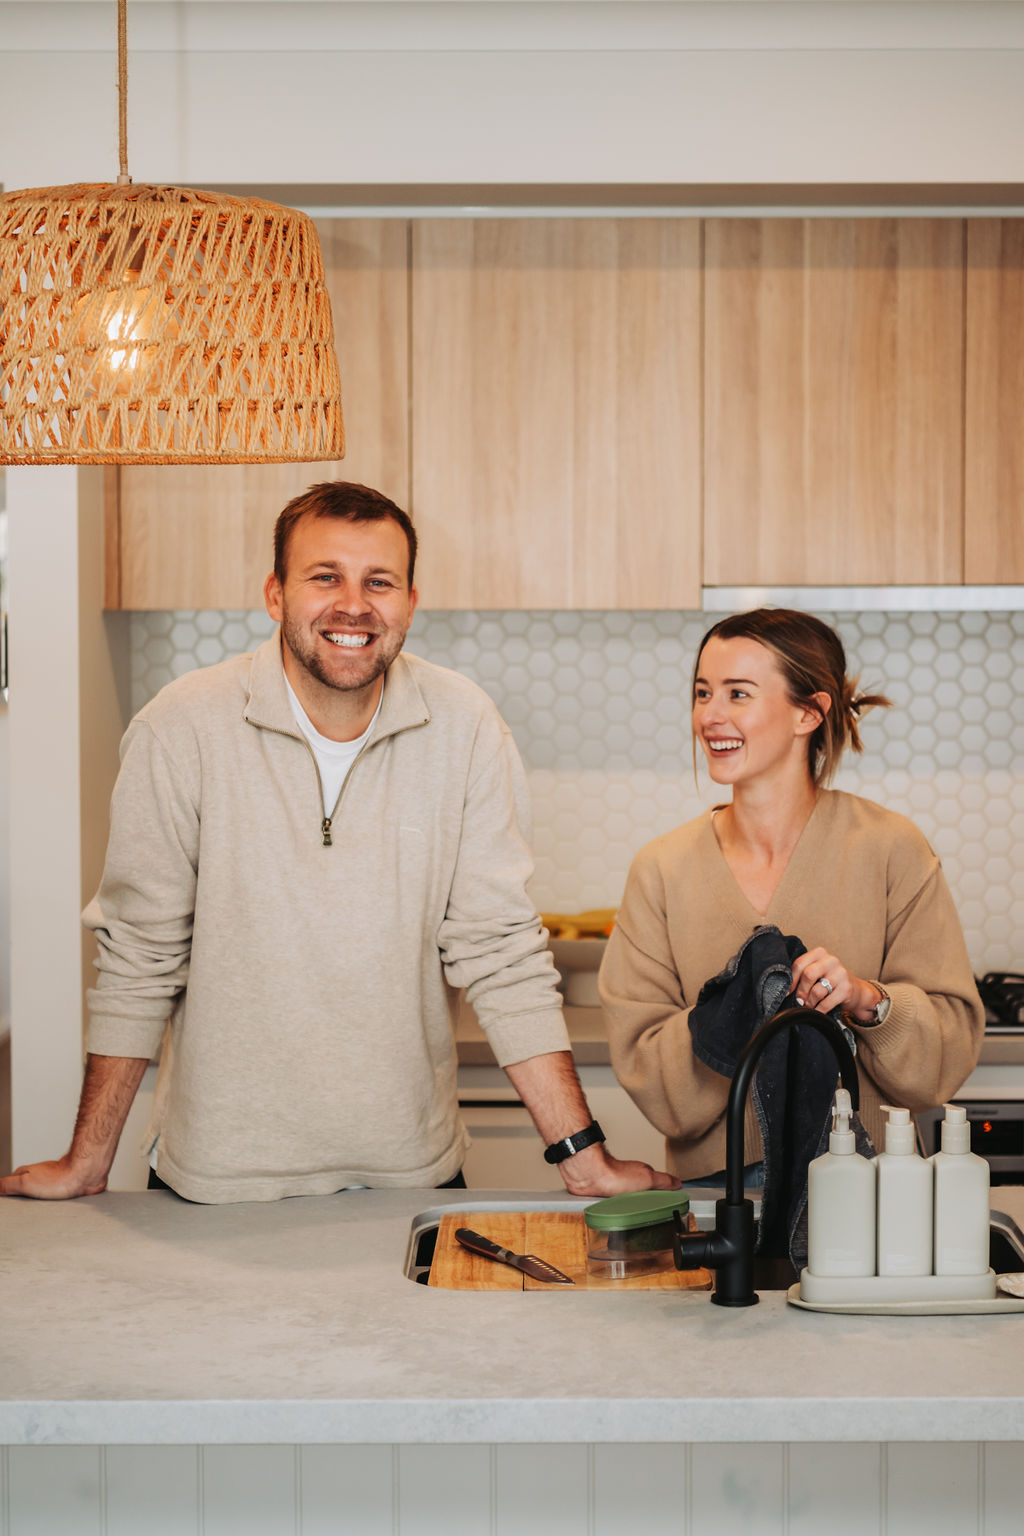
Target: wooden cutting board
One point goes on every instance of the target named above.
(557, 1236)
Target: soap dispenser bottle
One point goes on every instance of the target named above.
(905, 1191)
(841, 1202)
(961, 1200)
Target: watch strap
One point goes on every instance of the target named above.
(570, 1145)
(883, 1005)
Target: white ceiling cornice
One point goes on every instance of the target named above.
(543, 26)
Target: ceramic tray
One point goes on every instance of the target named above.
(936, 1308)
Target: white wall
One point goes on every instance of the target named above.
(507, 91)
(65, 721)
(45, 808)
(5, 893)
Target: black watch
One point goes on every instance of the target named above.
(570, 1145)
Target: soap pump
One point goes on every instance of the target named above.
(961, 1200)
(841, 1202)
(905, 1192)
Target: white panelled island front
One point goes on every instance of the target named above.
(289, 1334)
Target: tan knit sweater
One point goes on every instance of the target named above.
(311, 989)
(863, 883)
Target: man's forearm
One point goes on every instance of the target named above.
(108, 1092)
(550, 1089)
(108, 1089)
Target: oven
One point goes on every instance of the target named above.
(993, 1095)
(995, 1112)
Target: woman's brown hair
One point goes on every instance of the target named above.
(812, 659)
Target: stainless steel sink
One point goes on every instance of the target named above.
(1006, 1240)
(419, 1252)
(423, 1232)
(1005, 1244)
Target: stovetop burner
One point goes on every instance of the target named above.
(1002, 992)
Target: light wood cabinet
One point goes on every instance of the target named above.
(556, 412)
(994, 482)
(833, 401)
(201, 537)
(611, 413)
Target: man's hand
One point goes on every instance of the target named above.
(59, 1180)
(595, 1172)
(108, 1088)
(551, 1091)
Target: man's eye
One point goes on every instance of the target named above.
(378, 581)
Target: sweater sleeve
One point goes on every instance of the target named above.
(142, 913)
(491, 940)
(931, 1037)
(647, 1016)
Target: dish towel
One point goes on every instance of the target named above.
(794, 1086)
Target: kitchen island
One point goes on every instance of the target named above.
(139, 1320)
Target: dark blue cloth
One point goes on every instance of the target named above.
(794, 1086)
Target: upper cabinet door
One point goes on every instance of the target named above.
(994, 514)
(834, 401)
(193, 536)
(556, 411)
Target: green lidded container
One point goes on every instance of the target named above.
(632, 1234)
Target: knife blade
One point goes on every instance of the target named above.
(528, 1263)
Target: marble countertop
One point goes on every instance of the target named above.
(139, 1318)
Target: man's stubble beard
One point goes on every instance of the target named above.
(387, 648)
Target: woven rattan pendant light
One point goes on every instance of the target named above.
(159, 325)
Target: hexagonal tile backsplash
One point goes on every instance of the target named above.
(598, 705)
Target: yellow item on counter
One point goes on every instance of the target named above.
(596, 924)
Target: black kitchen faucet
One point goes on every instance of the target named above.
(729, 1248)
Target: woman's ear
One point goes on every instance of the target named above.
(812, 714)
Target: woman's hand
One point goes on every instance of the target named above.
(822, 982)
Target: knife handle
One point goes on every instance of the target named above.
(478, 1244)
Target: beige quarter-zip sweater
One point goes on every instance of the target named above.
(310, 981)
(862, 882)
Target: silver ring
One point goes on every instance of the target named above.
(823, 981)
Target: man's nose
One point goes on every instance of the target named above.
(349, 599)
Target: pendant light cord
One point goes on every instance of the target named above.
(123, 180)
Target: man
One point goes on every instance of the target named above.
(311, 848)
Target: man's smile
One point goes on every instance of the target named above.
(348, 642)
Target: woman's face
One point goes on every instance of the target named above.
(743, 716)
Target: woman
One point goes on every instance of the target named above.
(773, 711)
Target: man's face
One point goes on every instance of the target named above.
(345, 604)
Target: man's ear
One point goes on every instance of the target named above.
(272, 597)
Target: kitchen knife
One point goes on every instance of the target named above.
(530, 1265)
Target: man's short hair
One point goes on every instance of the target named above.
(339, 498)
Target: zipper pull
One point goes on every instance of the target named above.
(325, 829)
